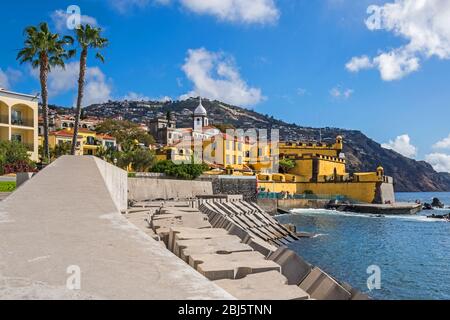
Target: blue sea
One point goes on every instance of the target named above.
(413, 252)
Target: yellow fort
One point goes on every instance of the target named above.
(320, 169)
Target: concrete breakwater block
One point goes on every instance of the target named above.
(293, 267)
(222, 245)
(198, 221)
(321, 286)
(183, 233)
(231, 266)
(169, 210)
(260, 246)
(269, 285)
(161, 224)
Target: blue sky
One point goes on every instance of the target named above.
(288, 58)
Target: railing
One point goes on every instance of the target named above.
(21, 122)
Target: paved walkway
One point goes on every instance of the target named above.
(64, 217)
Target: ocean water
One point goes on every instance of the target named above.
(413, 252)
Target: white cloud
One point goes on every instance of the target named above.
(301, 91)
(241, 11)
(246, 11)
(215, 76)
(4, 81)
(425, 24)
(359, 63)
(97, 88)
(340, 93)
(439, 161)
(442, 144)
(59, 18)
(402, 144)
(9, 77)
(134, 96)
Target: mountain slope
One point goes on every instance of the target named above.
(362, 153)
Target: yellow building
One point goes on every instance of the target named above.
(320, 169)
(19, 120)
(88, 142)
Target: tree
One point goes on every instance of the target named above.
(61, 149)
(88, 38)
(44, 50)
(13, 153)
(286, 165)
(125, 132)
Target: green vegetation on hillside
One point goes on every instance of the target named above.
(125, 131)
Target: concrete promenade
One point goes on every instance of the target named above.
(69, 215)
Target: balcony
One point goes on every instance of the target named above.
(22, 115)
(18, 121)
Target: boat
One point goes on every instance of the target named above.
(445, 217)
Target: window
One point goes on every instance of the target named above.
(109, 144)
(16, 137)
(16, 117)
(90, 141)
(240, 160)
(228, 159)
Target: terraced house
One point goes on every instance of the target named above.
(19, 120)
(88, 142)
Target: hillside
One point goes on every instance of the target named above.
(362, 153)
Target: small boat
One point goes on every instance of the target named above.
(445, 217)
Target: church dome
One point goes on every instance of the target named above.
(200, 111)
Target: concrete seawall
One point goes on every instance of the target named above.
(66, 219)
(144, 189)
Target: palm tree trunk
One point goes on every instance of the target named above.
(81, 79)
(44, 94)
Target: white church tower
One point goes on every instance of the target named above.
(200, 118)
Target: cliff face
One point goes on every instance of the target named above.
(362, 153)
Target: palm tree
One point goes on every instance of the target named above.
(88, 38)
(45, 50)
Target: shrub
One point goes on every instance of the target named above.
(180, 171)
(14, 158)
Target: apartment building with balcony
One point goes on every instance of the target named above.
(19, 120)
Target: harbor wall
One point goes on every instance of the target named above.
(367, 192)
(235, 185)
